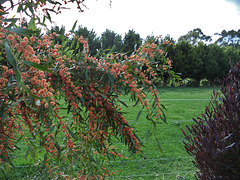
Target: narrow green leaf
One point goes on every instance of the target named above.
(90, 170)
(38, 66)
(20, 127)
(74, 25)
(71, 133)
(163, 116)
(163, 106)
(57, 146)
(32, 25)
(23, 31)
(123, 103)
(48, 17)
(91, 94)
(139, 140)
(73, 42)
(139, 113)
(9, 54)
(27, 152)
(154, 104)
(136, 103)
(82, 99)
(69, 108)
(147, 135)
(2, 13)
(158, 144)
(30, 7)
(12, 61)
(97, 162)
(91, 158)
(52, 2)
(77, 46)
(14, 20)
(66, 48)
(18, 76)
(20, 8)
(52, 10)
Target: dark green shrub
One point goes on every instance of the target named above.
(214, 139)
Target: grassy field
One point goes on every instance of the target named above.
(173, 162)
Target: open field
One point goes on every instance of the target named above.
(173, 162)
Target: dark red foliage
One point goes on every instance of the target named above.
(214, 139)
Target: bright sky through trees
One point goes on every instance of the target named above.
(157, 17)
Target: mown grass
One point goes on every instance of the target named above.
(173, 162)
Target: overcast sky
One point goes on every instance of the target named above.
(157, 17)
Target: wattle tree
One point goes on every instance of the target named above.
(37, 76)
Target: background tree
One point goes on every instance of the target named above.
(216, 64)
(60, 31)
(233, 53)
(111, 40)
(200, 53)
(194, 36)
(91, 37)
(152, 38)
(131, 42)
(229, 38)
(183, 55)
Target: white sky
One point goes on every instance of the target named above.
(157, 17)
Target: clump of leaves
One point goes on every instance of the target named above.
(214, 139)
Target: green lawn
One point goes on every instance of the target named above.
(173, 162)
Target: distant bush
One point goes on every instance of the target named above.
(189, 82)
(205, 83)
(214, 139)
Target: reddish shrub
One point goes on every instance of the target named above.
(213, 140)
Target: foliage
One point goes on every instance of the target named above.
(216, 65)
(233, 53)
(111, 41)
(200, 61)
(195, 36)
(92, 39)
(131, 41)
(165, 74)
(205, 83)
(60, 38)
(36, 73)
(207, 61)
(183, 59)
(188, 82)
(229, 38)
(213, 140)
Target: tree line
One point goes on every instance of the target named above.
(194, 55)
